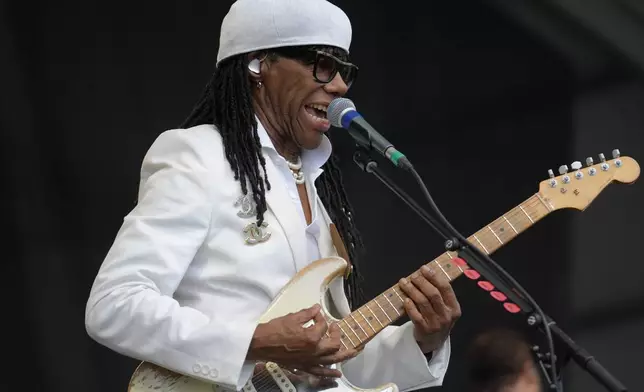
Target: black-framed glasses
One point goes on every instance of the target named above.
(325, 65)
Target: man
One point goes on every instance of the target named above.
(501, 361)
(236, 202)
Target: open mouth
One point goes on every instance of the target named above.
(316, 114)
(317, 111)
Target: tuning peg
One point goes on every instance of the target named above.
(553, 182)
(589, 161)
(615, 153)
(576, 165)
(602, 157)
(563, 169)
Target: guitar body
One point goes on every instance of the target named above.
(307, 288)
(310, 286)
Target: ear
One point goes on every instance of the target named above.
(255, 60)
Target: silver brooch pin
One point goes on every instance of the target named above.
(247, 205)
(255, 234)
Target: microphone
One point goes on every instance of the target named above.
(342, 114)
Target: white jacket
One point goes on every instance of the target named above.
(181, 289)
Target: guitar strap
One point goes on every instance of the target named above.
(336, 238)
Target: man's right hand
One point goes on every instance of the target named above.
(287, 342)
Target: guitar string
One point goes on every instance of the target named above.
(485, 236)
(528, 210)
(517, 215)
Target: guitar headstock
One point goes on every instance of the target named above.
(580, 186)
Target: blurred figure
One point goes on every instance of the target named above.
(500, 360)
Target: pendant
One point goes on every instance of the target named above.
(255, 234)
(299, 177)
(295, 166)
(247, 205)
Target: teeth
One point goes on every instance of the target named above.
(319, 107)
(316, 117)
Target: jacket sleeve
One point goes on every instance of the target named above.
(131, 308)
(393, 356)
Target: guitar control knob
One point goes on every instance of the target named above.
(563, 169)
(589, 161)
(576, 165)
(615, 153)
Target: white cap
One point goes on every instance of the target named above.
(252, 25)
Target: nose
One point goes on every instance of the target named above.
(336, 86)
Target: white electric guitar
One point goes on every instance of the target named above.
(576, 189)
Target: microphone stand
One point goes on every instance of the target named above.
(534, 318)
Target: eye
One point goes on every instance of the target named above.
(325, 68)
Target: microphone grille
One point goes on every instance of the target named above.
(336, 108)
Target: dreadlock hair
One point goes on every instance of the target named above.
(226, 102)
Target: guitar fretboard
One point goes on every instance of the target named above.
(365, 322)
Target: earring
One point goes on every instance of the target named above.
(259, 84)
(253, 66)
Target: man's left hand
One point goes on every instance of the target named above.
(432, 306)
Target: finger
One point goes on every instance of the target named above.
(443, 284)
(293, 374)
(421, 300)
(307, 314)
(340, 356)
(322, 371)
(430, 291)
(425, 325)
(319, 328)
(331, 343)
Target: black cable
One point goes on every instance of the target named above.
(544, 321)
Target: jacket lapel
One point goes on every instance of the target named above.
(281, 205)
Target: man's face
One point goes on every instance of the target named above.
(296, 101)
(528, 381)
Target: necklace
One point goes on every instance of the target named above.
(296, 170)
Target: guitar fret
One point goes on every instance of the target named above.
(442, 269)
(451, 258)
(359, 326)
(544, 203)
(526, 214)
(374, 315)
(365, 319)
(504, 229)
(383, 311)
(392, 305)
(399, 297)
(346, 335)
(352, 330)
(479, 241)
(515, 230)
(497, 237)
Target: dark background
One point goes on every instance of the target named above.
(483, 96)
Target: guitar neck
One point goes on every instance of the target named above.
(365, 322)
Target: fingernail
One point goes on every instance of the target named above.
(403, 280)
(426, 268)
